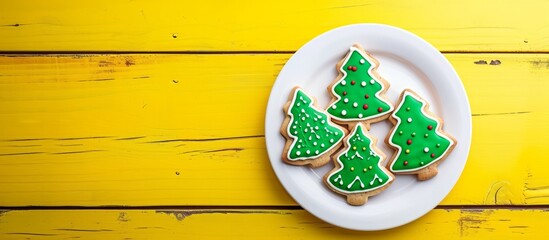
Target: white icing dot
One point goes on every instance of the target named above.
(298, 104)
(346, 100)
(316, 152)
(334, 107)
(360, 115)
(343, 82)
(314, 143)
(315, 119)
(308, 152)
(303, 119)
(306, 130)
(362, 61)
(302, 110)
(409, 120)
(331, 140)
(322, 121)
(355, 104)
(298, 153)
(316, 128)
(295, 132)
(363, 83)
(426, 149)
(295, 122)
(372, 81)
(343, 112)
(294, 127)
(308, 125)
(322, 145)
(336, 133)
(298, 146)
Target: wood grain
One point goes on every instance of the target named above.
(97, 130)
(170, 25)
(261, 224)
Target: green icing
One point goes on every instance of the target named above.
(424, 142)
(353, 98)
(360, 166)
(312, 131)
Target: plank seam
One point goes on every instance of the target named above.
(257, 207)
(6, 52)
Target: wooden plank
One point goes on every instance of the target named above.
(119, 130)
(172, 25)
(262, 224)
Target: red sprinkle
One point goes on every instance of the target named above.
(432, 155)
(344, 93)
(367, 96)
(354, 69)
(430, 127)
(349, 67)
(405, 163)
(365, 106)
(409, 141)
(380, 110)
(353, 82)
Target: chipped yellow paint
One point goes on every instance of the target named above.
(261, 224)
(218, 25)
(120, 130)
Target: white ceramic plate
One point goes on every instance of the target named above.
(406, 61)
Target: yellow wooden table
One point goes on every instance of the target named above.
(144, 119)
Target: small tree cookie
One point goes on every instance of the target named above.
(310, 135)
(359, 172)
(417, 136)
(358, 93)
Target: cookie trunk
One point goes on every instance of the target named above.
(357, 199)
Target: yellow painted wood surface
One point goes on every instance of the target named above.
(118, 129)
(262, 224)
(218, 25)
(96, 130)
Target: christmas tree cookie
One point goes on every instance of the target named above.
(310, 135)
(358, 93)
(418, 138)
(359, 172)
